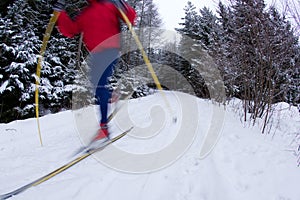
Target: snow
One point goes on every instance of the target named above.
(243, 164)
(3, 86)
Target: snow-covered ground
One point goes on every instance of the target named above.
(162, 158)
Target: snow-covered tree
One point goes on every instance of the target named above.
(19, 47)
(200, 28)
(255, 49)
(209, 30)
(261, 51)
(291, 10)
(147, 28)
(190, 24)
(285, 58)
(22, 29)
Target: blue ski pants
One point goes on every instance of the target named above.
(102, 65)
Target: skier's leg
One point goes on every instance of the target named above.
(103, 92)
(102, 64)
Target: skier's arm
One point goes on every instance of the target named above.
(67, 26)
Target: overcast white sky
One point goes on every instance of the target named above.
(172, 11)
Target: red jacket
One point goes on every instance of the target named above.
(98, 22)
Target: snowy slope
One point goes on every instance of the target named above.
(244, 164)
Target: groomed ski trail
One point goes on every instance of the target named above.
(243, 165)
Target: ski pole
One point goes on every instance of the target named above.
(47, 35)
(146, 59)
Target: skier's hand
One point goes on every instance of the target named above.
(59, 5)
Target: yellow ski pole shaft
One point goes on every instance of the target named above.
(47, 35)
(146, 59)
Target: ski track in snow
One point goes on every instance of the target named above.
(243, 165)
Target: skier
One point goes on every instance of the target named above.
(100, 25)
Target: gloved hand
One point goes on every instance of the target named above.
(59, 5)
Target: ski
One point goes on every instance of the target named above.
(92, 149)
(91, 146)
(64, 167)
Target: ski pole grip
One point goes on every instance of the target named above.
(121, 4)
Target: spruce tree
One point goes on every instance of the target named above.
(261, 54)
(18, 46)
(22, 30)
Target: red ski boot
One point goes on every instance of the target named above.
(102, 134)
